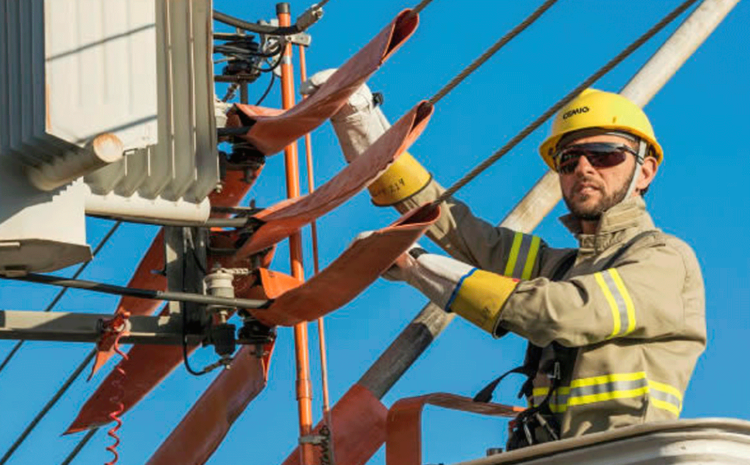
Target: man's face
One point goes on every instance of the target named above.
(588, 191)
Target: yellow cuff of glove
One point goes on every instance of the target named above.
(403, 179)
(479, 297)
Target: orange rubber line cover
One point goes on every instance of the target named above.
(207, 423)
(147, 366)
(233, 191)
(271, 285)
(359, 421)
(404, 436)
(286, 217)
(143, 278)
(351, 273)
(270, 134)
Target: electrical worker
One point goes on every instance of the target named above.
(616, 326)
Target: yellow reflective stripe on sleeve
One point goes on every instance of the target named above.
(522, 256)
(513, 256)
(531, 258)
(481, 296)
(405, 177)
(626, 297)
(618, 298)
(612, 303)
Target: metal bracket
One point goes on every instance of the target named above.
(301, 38)
(314, 439)
(87, 327)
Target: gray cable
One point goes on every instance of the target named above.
(51, 403)
(421, 6)
(81, 444)
(552, 110)
(62, 292)
(491, 51)
(139, 293)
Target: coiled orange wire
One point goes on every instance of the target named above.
(120, 393)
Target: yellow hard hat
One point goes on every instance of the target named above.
(599, 109)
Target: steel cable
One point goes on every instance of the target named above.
(48, 406)
(421, 6)
(562, 102)
(491, 51)
(76, 373)
(139, 293)
(62, 292)
(81, 444)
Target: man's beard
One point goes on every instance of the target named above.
(594, 213)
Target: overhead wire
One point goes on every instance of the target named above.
(81, 444)
(47, 407)
(62, 292)
(303, 22)
(491, 51)
(139, 293)
(562, 102)
(252, 27)
(420, 6)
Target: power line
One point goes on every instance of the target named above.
(421, 6)
(62, 292)
(139, 293)
(491, 51)
(81, 444)
(51, 403)
(552, 110)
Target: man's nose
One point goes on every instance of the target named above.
(583, 166)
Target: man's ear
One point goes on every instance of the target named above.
(647, 173)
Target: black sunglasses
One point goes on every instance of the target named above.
(599, 154)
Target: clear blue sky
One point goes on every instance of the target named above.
(700, 118)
